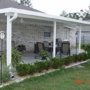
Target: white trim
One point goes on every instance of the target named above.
(54, 39)
(9, 32)
(42, 16)
(9, 38)
(79, 50)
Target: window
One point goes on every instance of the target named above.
(66, 34)
(46, 31)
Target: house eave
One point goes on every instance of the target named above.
(41, 16)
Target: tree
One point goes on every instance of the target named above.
(26, 3)
(76, 15)
(64, 13)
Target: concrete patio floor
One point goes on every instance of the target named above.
(30, 57)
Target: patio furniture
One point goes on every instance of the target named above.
(38, 47)
(46, 45)
(58, 41)
(65, 48)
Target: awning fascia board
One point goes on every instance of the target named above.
(42, 16)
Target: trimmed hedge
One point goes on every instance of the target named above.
(28, 69)
(86, 47)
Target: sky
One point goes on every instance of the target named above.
(55, 7)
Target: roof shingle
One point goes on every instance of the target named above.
(13, 4)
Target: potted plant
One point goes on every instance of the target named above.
(21, 48)
(44, 54)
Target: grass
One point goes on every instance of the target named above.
(63, 79)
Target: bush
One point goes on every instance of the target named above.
(44, 53)
(21, 48)
(56, 63)
(16, 57)
(82, 56)
(87, 47)
(48, 65)
(40, 66)
(23, 69)
(75, 58)
(68, 60)
(88, 55)
(5, 74)
(32, 69)
(83, 46)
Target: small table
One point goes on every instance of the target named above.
(50, 49)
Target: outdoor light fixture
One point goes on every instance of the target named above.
(2, 36)
(21, 20)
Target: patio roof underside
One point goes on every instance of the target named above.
(30, 16)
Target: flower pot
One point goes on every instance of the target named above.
(44, 58)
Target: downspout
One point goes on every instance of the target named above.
(14, 17)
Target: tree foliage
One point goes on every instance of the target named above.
(85, 14)
(26, 3)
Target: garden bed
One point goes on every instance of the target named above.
(18, 78)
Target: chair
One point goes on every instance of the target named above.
(58, 42)
(46, 45)
(65, 48)
(38, 47)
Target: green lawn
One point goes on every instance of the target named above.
(58, 80)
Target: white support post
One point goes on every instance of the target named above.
(79, 49)
(9, 39)
(54, 39)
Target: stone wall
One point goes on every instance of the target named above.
(28, 34)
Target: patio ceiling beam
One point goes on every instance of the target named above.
(54, 39)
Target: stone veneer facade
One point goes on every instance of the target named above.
(28, 34)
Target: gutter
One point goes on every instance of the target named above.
(14, 17)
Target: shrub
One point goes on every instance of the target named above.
(79, 57)
(86, 47)
(56, 63)
(5, 74)
(68, 60)
(75, 58)
(23, 69)
(82, 56)
(88, 55)
(83, 46)
(40, 66)
(16, 57)
(21, 48)
(32, 69)
(44, 53)
(48, 64)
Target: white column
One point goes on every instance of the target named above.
(54, 39)
(9, 44)
(79, 49)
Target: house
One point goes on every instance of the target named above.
(85, 34)
(26, 25)
(29, 31)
